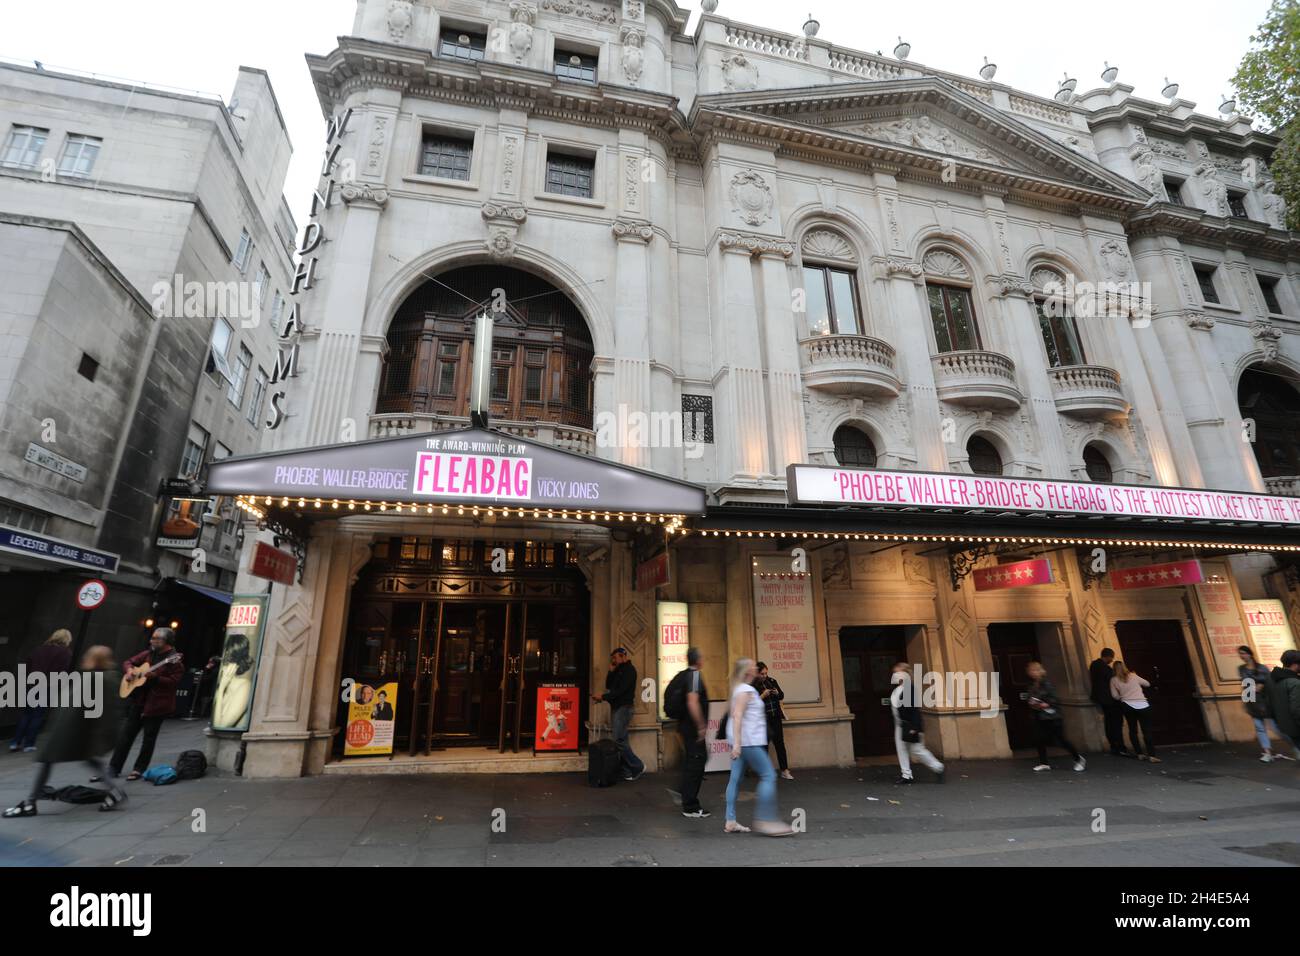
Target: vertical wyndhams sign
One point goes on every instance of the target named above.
(304, 277)
(785, 627)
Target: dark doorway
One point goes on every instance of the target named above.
(869, 655)
(1157, 651)
(1013, 647)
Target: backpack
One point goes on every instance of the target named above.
(191, 765)
(675, 696)
(74, 794)
(160, 775)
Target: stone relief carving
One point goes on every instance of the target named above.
(633, 54)
(904, 267)
(632, 182)
(1267, 337)
(501, 244)
(1043, 278)
(378, 140)
(400, 18)
(633, 229)
(944, 265)
(1167, 148)
(751, 197)
(503, 221)
(1115, 260)
(523, 16)
(633, 10)
(1213, 190)
(922, 132)
(825, 244)
(1274, 206)
(739, 73)
(509, 150)
(835, 567)
(1198, 320)
(504, 212)
(916, 569)
(891, 214)
(1148, 173)
(364, 194)
(598, 13)
(755, 245)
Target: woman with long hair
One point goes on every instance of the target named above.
(747, 735)
(52, 657)
(1126, 687)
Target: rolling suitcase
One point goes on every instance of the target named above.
(603, 763)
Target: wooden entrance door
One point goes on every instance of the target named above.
(1157, 651)
(1013, 647)
(869, 655)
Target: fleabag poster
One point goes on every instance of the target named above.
(372, 715)
(557, 718)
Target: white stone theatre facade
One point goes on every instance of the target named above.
(812, 355)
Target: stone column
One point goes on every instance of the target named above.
(738, 368)
(784, 379)
(632, 297)
(908, 333)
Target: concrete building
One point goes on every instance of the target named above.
(917, 336)
(148, 258)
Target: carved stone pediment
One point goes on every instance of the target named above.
(923, 132)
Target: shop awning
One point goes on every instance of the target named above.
(451, 472)
(223, 596)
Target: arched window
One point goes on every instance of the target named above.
(1271, 401)
(947, 287)
(830, 282)
(1056, 319)
(853, 448)
(984, 458)
(1098, 465)
(541, 349)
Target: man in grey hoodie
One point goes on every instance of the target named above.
(1284, 698)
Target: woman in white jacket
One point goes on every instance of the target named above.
(1126, 687)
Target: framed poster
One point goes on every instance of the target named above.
(717, 753)
(1269, 630)
(557, 718)
(1223, 623)
(785, 626)
(372, 713)
(674, 639)
(232, 707)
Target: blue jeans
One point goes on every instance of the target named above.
(29, 725)
(1262, 725)
(756, 759)
(622, 716)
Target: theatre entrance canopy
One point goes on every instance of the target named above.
(467, 472)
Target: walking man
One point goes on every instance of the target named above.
(909, 738)
(692, 726)
(620, 691)
(1112, 711)
(1284, 698)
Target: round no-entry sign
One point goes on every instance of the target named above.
(91, 595)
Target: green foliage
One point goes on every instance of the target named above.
(1268, 86)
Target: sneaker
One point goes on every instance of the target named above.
(13, 748)
(1080, 765)
(1265, 758)
(786, 775)
(902, 780)
(29, 750)
(1041, 767)
(634, 776)
(699, 814)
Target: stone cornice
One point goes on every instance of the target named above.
(1184, 222)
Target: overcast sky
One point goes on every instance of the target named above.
(199, 46)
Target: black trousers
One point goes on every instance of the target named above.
(132, 724)
(1113, 716)
(692, 768)
(776, 735)
(1051, 731)
(1139, 719)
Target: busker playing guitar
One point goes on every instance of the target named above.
(151, 702)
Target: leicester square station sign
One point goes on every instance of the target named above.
(821, 485)
(466, 467)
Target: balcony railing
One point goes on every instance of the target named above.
(564, 437)
(849, 365)
(977, 379)
(1088, 391)
(1286, 485)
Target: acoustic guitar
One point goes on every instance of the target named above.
(132, 683)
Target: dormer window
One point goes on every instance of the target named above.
(575, 65)
(462, 44)
(1237, 205)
